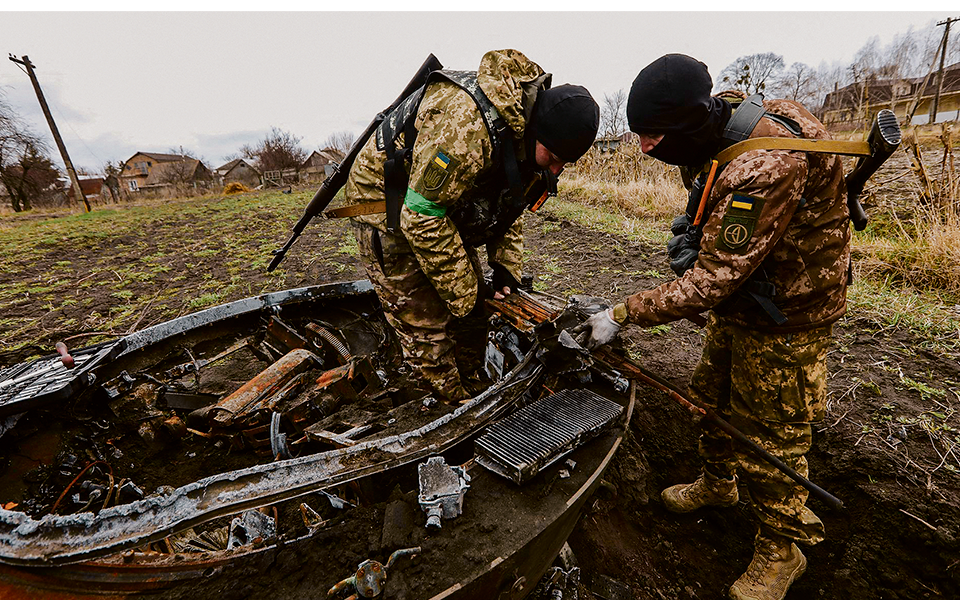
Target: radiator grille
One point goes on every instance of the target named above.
(524, 443)
(30, 385)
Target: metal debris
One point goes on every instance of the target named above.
(251, 527)
(531, 439)
(441, 490)
(371, 576)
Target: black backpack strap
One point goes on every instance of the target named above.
(395, 175)
(744, 119)
(763, 292)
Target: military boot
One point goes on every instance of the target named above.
(776, 564)
(707, 490)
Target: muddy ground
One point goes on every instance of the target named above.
(880, 450)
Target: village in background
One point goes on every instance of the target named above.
(917, 76)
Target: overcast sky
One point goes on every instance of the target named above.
(210, 82)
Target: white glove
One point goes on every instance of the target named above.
(603, 329)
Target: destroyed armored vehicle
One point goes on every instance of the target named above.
(276, 446)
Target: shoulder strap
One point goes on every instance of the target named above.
(744, 119)
(861, 148)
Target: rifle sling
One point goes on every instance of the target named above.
(366, 208)
(861, 148)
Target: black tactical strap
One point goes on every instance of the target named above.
(396, 177)
(510, 167)
(744, 119)
(763, 292)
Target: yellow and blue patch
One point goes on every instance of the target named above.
(435, 174)
(736, 229)
(442, 160)
(742, 202)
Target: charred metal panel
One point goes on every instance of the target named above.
(266, 302)
(46, 380)
(521, 445)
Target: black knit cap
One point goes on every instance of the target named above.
(670, 95)
(565, 120)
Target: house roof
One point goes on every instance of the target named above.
(233, 164)
(226, 167)
(236, 165)
(161, 157)
(157, 156)
(326, 156)
(881, 90)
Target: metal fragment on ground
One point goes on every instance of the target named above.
(441, 490)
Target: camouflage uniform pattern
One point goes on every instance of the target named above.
(789, 214)
(431, 276)
(772, 387)
(804, 251)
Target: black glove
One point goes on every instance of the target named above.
(684, 247)
(484, 292)
(502, 278)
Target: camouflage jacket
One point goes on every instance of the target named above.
(782, 214)
(453, 163)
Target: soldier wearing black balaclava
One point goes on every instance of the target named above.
(776, 217)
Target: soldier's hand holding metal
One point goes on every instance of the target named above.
(601, 328)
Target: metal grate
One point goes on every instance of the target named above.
(45, 380)
(521, 445)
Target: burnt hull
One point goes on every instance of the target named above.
(506, 539)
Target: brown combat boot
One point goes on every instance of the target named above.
(707, 490)
(776, 564)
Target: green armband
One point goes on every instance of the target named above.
(421, 205)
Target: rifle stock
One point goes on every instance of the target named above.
(884, 139)
(332, 184)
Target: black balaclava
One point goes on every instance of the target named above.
(671, 96)
(565, 120)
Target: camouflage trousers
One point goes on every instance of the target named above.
(772, 387)
(413, 308)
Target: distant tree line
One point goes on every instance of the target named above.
(909, 55)
(26, 172)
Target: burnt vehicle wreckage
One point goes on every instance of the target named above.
(189, 452)
(283, 430)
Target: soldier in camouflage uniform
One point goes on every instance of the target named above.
(427, 272)
(772, 213)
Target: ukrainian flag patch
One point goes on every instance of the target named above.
(736, 229)
(742, 202)
(435, 174)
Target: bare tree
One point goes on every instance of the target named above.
(613, 115)
(797, 83)
(751, 74)
(26, 171)
(279, 150)
(181, 172)
(341, 140)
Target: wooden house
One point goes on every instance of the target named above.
(153, 170)
(239, 170)
(858, 103)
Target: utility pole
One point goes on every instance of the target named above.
(74, 181)
(943, 55)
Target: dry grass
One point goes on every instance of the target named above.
(923, 252)
(235, 187)
(626, 182)
(921, 249)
